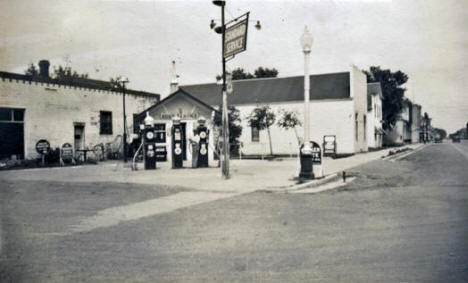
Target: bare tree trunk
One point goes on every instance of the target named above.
(297, 136)
(269, 138)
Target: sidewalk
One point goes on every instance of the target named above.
(204, 184)
(246, 175)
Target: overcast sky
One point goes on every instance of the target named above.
(428, 40)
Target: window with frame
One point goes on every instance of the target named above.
(11, 115)
(255, 134)
(105, 118)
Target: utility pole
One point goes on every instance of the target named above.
(124, 137)
(236, 43)
(225, 116)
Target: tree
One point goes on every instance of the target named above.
(32, 71)
(289, 120)
(66, 74)
(116, 83)
(240, 74)
(393, 93)
(261, 72)
(262, 117)
(441, 133)
(235, 127)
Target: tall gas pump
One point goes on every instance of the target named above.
(203, 133)
(177, 144)
(149, 143)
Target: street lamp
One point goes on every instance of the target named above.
(123, 81)
(306, 148)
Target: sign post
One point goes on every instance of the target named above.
(234, 41)
(42, 147)
(66, 154)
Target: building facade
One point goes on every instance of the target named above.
(82, 112)
(374, 114)
(338, 108)
(190, 111)
(416, 123)
(408, 127)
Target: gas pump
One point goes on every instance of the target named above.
(149, 143)
(177, 143)
(203, 133)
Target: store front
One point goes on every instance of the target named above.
(189, 115)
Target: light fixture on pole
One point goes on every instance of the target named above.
(306, 148)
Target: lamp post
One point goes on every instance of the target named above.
(124, 137)
(306, 148)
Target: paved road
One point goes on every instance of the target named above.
(401, 221)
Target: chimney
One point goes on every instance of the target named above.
(174, 79)
(44, 68)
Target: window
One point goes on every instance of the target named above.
(255, 134)
(11, 114)
(365, 126)
(105, 122)
(356, 127)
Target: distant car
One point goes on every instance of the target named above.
(438, 140)
(455, 139)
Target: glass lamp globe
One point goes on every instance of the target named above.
(306, 41)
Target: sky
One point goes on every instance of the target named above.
(139, 39)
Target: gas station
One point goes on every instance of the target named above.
(179, 130)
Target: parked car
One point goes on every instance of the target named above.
(455, 139)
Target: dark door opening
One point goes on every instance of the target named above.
(79, 138)
(184, 141)
(11, 133)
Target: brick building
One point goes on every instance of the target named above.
(79, 111)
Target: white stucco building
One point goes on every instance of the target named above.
(401, 131)
(82, 112)
(338, 107)
(374, 115)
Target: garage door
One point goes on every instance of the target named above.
(11, 132)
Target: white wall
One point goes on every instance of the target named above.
(416, 123)
(358, 85)
(374, 117)
(51, 111)
(328, 117)
(396, 134)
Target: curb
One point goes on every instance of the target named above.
(404, 153)
(310, 184)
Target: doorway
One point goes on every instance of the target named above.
(184, 140)
(79, 137)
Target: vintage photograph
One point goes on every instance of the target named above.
(233, 141)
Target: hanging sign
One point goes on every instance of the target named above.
(235, 40)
